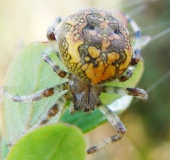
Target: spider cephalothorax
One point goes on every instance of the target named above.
(85, 96)
(95, 48)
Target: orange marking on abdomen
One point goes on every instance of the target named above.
(100, 73)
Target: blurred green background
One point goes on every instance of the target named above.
(148, 124)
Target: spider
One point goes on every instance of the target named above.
(96, 49)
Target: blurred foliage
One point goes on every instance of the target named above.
(155, 114)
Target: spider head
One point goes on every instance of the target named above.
(95, 46)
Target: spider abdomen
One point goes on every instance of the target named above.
(95, 46)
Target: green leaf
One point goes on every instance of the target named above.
(28, 73)
(4, 148)
(49, 143)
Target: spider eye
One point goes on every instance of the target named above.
(95, 46)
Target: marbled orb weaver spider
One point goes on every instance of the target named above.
(95, 48)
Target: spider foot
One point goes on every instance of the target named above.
(56, 68)
(137, 92)
(116, 123)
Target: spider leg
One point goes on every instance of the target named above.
(136, 53)
(52, 34)
(34, 97)
(56, 109)
(71, 108)
(136, 92)
(56, 69)
(115, 122)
